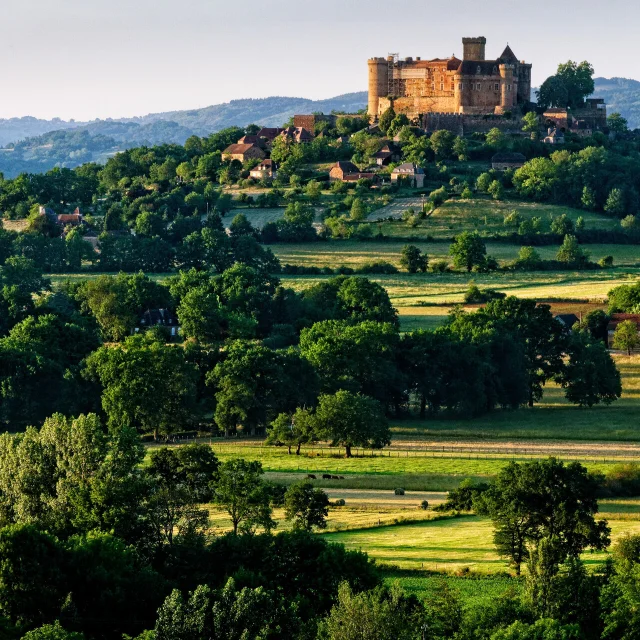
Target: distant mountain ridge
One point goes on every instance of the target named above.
(272, 111)
(34, 145)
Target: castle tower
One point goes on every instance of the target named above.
(508, 87)
(378, 84)
(473, 48)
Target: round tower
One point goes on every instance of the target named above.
(508, 88)
(378, 84)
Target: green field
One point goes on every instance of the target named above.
(486, 216)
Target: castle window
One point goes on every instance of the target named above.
(497, 87)
(508, 87)
(442, 86)
(478, 87)
(495, 70)
(433, 86)
(479, 70)
(460, 86)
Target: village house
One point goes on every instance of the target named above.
(243, 152)
(388, 154)
(346, 171)
(74, 219)
(249, 139)
(269, 134)
(615, 320)
(266, 170)
(297, 134)
(507, 160)
(410, 172)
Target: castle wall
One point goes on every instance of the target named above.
(465, 124)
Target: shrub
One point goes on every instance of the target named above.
(399, 491)
(606, 262)
(338, 503)
(439, 266)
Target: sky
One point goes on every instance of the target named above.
(87, 59)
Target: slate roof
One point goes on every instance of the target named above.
(567, 319)
(487, 67)
(508, 55)
(159, 317)
(408, 168)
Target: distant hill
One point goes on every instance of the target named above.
(621, 95)
(34, 145)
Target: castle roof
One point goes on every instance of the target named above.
(508, 55)
(479, 67)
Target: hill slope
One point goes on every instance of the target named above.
(621, 95)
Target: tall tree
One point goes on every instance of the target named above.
(352, 420)
(242, 492)
(146, 385)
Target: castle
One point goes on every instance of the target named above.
(471, 86)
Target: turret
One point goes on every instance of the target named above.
(378, 84)
(473, 48)
(508, 87)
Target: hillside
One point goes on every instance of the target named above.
(622, 95)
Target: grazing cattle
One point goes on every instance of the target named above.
(326, 476)
(335, 478)
(310, 476)
(341, 478)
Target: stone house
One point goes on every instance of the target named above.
(341, 169)
(410, 172)
(243, 152)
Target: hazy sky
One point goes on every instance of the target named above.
(87, 59)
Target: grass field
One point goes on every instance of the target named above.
(480, 214)
(411, 290)
(354, 253)
(451, 544)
